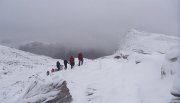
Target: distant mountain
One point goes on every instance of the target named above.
(59, 51)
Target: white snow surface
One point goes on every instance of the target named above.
(151, 42)
(104, 80)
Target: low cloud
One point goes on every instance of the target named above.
(85, 23)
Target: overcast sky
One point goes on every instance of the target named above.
(86, 22)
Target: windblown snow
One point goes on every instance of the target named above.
(131, 75)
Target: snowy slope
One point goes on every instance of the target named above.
(110, 80)
(136, 79)
(17, 70)
(152, 42)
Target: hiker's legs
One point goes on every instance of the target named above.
(79, 62)
(82, 62)
(58, 68)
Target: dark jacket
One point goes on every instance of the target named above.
(71, 60)
(58, 64)
(65, 62)
(80, 56)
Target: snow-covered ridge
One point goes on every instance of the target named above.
(134, 78)
(151, 42)
(12, 59)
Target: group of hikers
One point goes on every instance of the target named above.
(71, 62)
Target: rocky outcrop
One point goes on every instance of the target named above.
(63, 96)
(56, 92)
(169, 66)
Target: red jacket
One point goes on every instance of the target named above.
(71, 60)
(80, 56)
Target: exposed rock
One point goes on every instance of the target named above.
(175, 94)
(63, 96)
(117, 57)
(174, 59)
(55, 92)
(123, 56)
(141, 51)
(137, 62)
(170, 63)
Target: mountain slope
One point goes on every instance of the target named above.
(136, 79)
(18, 70)
(151, 42)
(109, 80)
(131, 75)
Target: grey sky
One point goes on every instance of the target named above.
(97, 22)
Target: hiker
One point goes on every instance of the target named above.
(52, 70)
(58, 65)
(65, 64)
(47, 73)
(80, 58)
(72, 62)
